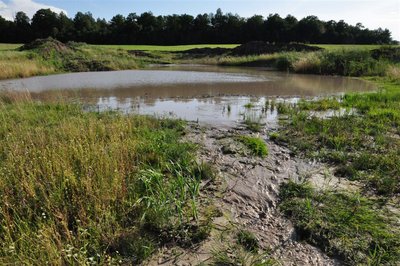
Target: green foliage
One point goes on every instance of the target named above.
(256, 145)
(343, 224)
(80, 187)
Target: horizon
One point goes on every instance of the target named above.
(372, 14)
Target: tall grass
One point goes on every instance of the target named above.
(15, 64)
(82, 188)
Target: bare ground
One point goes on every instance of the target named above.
(246, 193)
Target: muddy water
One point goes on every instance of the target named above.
(213, 95)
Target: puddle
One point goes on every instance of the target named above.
(207, 94)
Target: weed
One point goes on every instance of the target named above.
(256, 145)
(249, 105)
(252, 121)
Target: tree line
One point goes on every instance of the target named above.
(147, 28)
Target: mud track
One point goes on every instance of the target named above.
(248, 197)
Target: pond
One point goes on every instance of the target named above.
(208, 94)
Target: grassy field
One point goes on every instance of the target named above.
(8, 46)
(109, 196)
(172, 48)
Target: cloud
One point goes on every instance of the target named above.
(8, 9)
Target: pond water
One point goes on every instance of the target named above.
(208, 94)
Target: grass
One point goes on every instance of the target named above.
(255, 144)
(48, 59)
(166, 48)
(252, 120)
(21, 64)
(92, 188)
(363, 145)
(248, 240)
(9, 46)
(349, 226)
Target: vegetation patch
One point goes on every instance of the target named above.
(256, 145)
(349, 226)
(363, 146)
(93, 188)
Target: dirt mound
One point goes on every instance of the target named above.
(207, 51)
(46, 46)
(258, 47)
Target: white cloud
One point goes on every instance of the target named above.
(8, 9)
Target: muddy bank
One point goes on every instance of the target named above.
(246, 193)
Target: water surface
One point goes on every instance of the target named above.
(208, 94)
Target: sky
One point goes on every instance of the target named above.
(371, 13)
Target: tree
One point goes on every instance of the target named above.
(22, 27)
(45, 23)
(85, 27)
(310, 29)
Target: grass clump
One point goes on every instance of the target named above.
(83, 187)
(343, 224)
(248, 240)
(255, 144)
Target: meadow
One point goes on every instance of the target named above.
(109, 196)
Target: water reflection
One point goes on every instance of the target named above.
(213, 95)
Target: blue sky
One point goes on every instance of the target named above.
(371, 13)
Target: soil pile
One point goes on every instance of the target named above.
(259, 47)
(207, 51)
(46, 46)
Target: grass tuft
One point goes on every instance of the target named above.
(256, 145)
(346, 225)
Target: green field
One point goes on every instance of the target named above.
(8, 46)
(173, 48)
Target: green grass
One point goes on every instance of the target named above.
(9, 46)
(363, 146)
(347, 225)
(172, 48)
(255, 144)
(92, 188)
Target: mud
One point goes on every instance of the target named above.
(248, 197)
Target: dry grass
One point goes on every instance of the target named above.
(14, 64)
